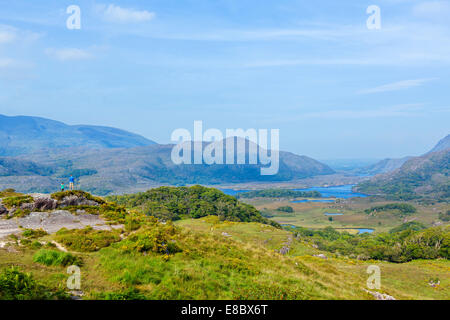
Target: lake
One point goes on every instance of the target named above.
(340, 192)
(313, 200)
(363, 230)
(333, 214)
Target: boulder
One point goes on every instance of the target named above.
(44, 204)
(3, 210)
(76, 201)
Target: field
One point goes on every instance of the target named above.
(312, 215)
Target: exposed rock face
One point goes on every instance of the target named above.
(321, 256)
(44, 204)
(52, 222)
(76, 201)
(3, 210)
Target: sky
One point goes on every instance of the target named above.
(312, 69)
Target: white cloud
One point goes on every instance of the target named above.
(124, 15)
(68, 54)
(395, 86)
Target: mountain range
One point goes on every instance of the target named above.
(24, 135)
(424, 176)
(107, 160)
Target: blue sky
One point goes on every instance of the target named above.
(312, 69)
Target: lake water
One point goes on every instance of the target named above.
(333, 214)
(232, 192)
(340, 192)
(313, 200)
(362, 230)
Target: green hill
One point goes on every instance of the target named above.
(173, 203)
(426, 176)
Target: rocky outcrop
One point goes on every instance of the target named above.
(3, 210)
(380, 296)
(75, 201)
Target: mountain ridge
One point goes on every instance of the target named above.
(21, 135)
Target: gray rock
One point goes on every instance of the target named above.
(3, 210)
(76, 201)
(321, 255)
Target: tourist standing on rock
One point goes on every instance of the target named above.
(71, 181)
(62, 187)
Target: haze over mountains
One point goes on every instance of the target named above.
(423, 176)
(107, 160)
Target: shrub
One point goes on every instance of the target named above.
(34, 233)
(400, 208)
(287, 209)
(16, 201)
(56, 258)
(16, 285)
(157, 238)
(87, 239)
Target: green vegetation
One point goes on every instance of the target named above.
(280, 193)
(34, 233)
(445, 216)
(16, 285)
(9, 193)
(173, 203)
(287, 209)
(402, 246)
(214, 257)
(16, 201)
(87, 239)
(154, 237)
(413, 225)
(425, 177)
(398, 208)
(56, 258)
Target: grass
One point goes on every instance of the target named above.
(87, 239)
(312, 215)
(56, 258)
(16, 201)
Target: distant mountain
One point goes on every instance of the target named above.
(444, 144)
(23, 135)
(425, 176)
(383, 166)
(107, 171)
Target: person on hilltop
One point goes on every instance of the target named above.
(62, 187)
(71, 182)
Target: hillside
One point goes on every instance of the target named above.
(443, 144)
(172, 203)
(425, 176)
(127, 255)
(23, 135)
(383, 166)
(106, 171)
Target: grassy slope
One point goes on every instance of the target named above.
(240, 266)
